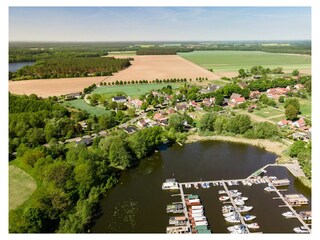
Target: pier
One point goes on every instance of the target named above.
(235, 206)
(185, 207)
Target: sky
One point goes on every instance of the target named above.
(159, 23)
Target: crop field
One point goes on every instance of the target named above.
(82, 105)
(133, 90)
(122, 53)
(21, 186)
(52, 87)
(232, 61)
(152, 67)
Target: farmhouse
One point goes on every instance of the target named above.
(136, 103)
(235, 100)
(300, 123)
(142, 123)
(235, 95)
(119, 99)
(171, 111)
(284, 122)
(254, 94)
(275, 93)
(181, 106)
(72, 95)
(208, 101)
(298, 86)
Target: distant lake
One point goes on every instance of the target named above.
(138, 204)
(13, 67)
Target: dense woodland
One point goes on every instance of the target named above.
(161, 51)
(71, 67)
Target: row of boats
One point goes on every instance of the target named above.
(197, 218)
(232, 214)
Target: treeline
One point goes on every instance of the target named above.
(161, 51)
(71, 67)
(302, 151)
(237, 124)
(71, 180)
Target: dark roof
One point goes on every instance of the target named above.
(119, 98)
(73, 94)
(130, 129)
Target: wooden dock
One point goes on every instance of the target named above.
(185, 207)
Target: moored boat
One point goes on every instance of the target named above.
(240, 229)
(248, 217)
(270, 189)
(233, 219)
(242, 209)
(238, 202)
(306, 215)
(222, 192)
(170, 184)
(253, 226)
(301, 230)
(288, 214)
(224, 198)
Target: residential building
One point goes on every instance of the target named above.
(119, 99)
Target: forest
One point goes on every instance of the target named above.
(71, 67)
(161, 51)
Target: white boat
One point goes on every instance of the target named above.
(224, 198)
(222, 192)
(240, 229)
(199, 207)
(202, 223)
(170, 184)
(289, 214)
(238, 202)
(233, 191)
(197, 215)
(196, 186)
(229, 214)
(188, 185)
(301, 230)
(253, 226)
(306, 215)
(233, 219)
(249, 184)
(249, 217)
(242, 209)
(270, 189)
(242, 198)
(199, 219)
(236, 194)
(196, 211)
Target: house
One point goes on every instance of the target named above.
(212, 87)
(299, 86)
(275, 93)
(119, 99)
(284, 122)
(300, 123)
(243, 85)
(72, 95)
(158, 116)
(83, 124)
(235, 95)
(171, 111)
(142, 123)
(236, 101)
(103, 133)
(206, 102)
(181, 106)
(254, 94)
(136, 103)
(130, 129)
(252, 106)
(87, 140)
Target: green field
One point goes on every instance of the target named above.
(232, 61)
(305, 107)
(21, 186)
(82, 105)
(134, 90)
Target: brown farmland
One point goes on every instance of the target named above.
(142, 68)
(161, 67)
(52, 87)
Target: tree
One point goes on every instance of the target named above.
(296, 148)
(291, 112)
(242, 73)
(281, 99)
(176, 122)
(292, 101)
(218, 99)
(245, 92)
(206, 123)
(266, 130)
(131, 112)
(295, 72)
(118, 154)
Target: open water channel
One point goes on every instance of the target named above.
(138, 204)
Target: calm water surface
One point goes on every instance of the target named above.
(138, 205)
(13, 67)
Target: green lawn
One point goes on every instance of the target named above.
(134, 90)
(82, 105)
(21, 186)
(305, 107)
(232, 61)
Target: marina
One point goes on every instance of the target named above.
(194, 210)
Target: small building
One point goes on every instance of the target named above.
(181, 107)
(71, 96)
(300, 123)
(276, 93)
(254, 94)
(284, 122)
(299, 86)
(87, 140)
(296, 199)
(235, 95)
(298, 135)
(136, 103)
(142, 123)
(243, 85)
(159, 116)
(236, 101)
(103, 133)
(119, 99)
(212, 87)
(171, 111)
(206, 102)
(130, 129)
(83, 124)
(281, 182)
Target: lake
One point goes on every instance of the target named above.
(13, 67)
(138, 204)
